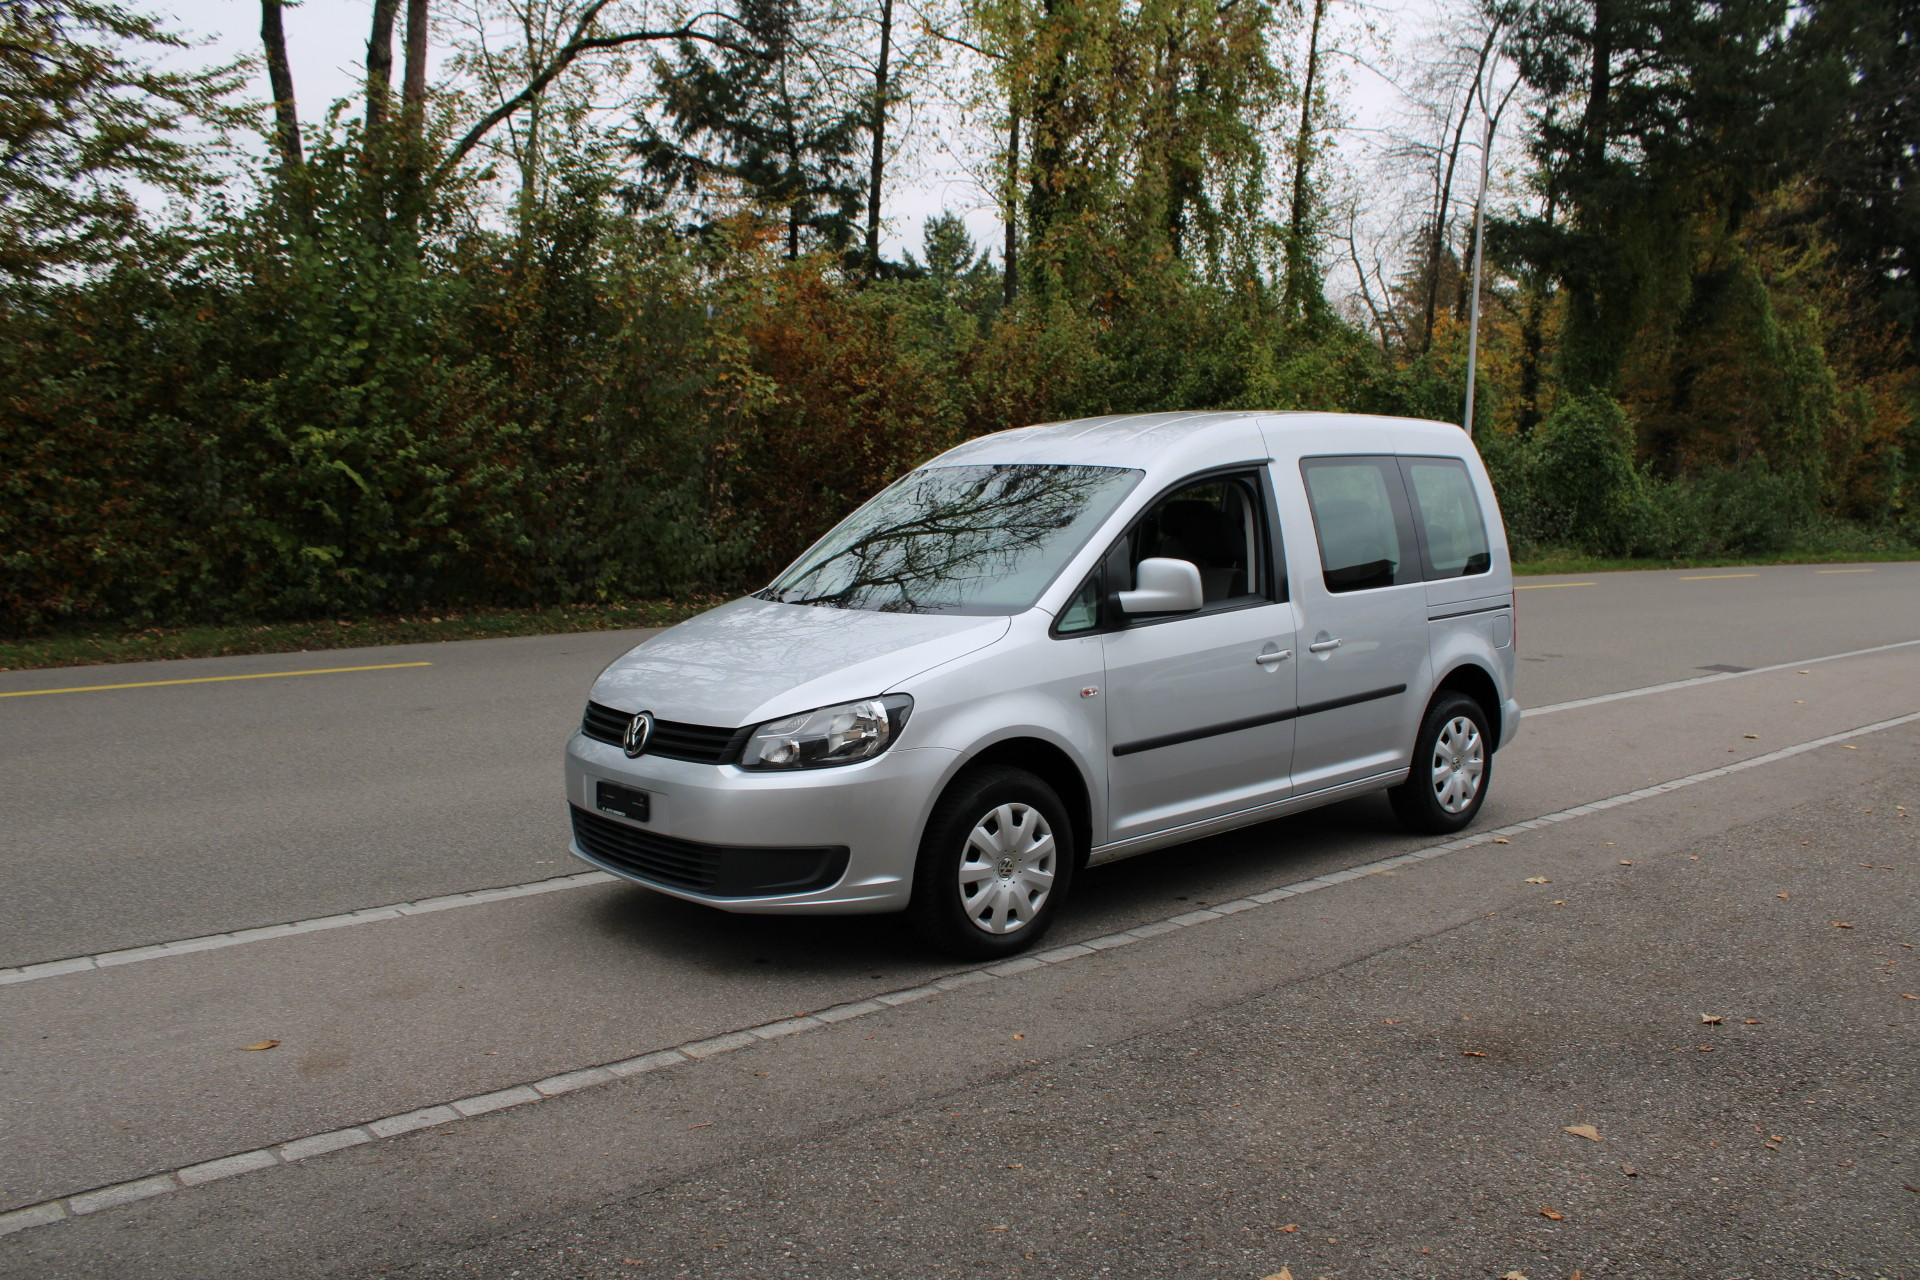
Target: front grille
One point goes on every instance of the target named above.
(721, 871)
(702, 744)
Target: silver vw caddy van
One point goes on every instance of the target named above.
(1059, 646)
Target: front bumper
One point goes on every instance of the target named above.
(875, 810)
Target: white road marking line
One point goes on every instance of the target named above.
(216, 941)
(1690, 682)
(532, 1093)
(263, 933)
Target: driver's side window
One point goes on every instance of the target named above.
(1213, 524)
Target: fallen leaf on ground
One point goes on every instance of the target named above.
(1019, 1035)
(1501, 840)
(1781, 895)
(1841, 924)
(1852, 748)
(1908, 995)
(1703, 1048)
(1776, 1137)
(1710, 1018)
(1538, 880)
(1291, 1226)
(1586, 1131)
(1513, 1275)
(1472, 1053)
(704, 1124)
(1281, 1274)
(1752, 1022)
(264, 1044)
(1754, 736)
(1625, 863)
(1629, 1170)
(1552, 1214)
(1909, 1186)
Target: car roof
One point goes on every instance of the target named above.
(1140, 439)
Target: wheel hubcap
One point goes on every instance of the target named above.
(1459, 763)
(1007, 870)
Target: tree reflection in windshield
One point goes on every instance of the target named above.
(967, 539)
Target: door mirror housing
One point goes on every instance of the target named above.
(1163, 586)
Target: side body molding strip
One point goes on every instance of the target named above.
(1254, 722)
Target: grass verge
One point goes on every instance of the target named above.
(1559, 563)
(154, 644)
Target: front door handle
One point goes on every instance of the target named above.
(1268, 659)
(1324, 646)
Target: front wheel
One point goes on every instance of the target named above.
(994, 864)
(1452, 764)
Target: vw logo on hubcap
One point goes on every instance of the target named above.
(639, 729)
(1006, 868)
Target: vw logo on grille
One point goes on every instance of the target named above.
(639, 729)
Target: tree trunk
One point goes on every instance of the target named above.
(286, 115)
(1437, 242)
(1294, 296)
(1010, 208)
(879, 139)
(379, 70)
(413, 94)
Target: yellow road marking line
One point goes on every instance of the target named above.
(1843, 571)
(258, 675)
(1709, 577)
(1542, 586)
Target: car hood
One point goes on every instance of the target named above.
(754, 660)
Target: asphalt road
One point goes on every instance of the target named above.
(1386, 1064)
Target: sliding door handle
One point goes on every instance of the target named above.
(1324, 646)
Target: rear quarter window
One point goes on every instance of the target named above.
(1453, 532)
(1361, 520)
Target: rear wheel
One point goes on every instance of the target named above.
(994, 864)
(1452, 764)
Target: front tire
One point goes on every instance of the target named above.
(995, 862)
(1452, 765)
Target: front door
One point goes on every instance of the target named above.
(1200, 706)
(1365, 660)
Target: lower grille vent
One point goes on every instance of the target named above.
(721, 871)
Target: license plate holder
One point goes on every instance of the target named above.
(627, 802)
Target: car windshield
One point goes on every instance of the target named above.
(983, 539)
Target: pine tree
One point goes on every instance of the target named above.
(771, 125)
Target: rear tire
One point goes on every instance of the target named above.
(1452, 765)
(995, 862)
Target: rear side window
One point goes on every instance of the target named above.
(1361, 519)
(1453, 532)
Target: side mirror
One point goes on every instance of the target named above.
(1163, 586)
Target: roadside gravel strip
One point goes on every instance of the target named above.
(101, 1198)
(582, 880)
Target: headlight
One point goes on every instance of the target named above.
(850, 732)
